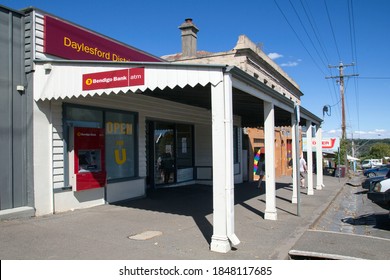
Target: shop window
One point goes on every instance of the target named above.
(120, 139)
(80, 116)
(120, 145)
(184, 146)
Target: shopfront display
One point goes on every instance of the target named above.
(120, 145)
(100, 150)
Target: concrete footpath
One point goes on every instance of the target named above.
(176, 223)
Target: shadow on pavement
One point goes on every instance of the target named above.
(377, 220)
(195, 201)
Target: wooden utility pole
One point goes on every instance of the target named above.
(341, 80)
(343, 122)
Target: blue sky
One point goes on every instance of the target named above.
(302, 36)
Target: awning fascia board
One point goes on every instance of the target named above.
(64, 79)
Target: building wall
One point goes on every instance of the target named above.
(14, 122)
(250, 58)
(282, 137)
(247, 56)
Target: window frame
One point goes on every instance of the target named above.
(67, 123)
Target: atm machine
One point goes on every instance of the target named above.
(87, 158)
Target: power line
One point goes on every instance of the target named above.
(307, 33)
(375, 78)
(314, 28)
(352, 32)
(331, 26)
(299, 39)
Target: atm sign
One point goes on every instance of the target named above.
(114, 79)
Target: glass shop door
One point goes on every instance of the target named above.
(164, 154)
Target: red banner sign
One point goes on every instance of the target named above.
(75, 43)
(112, 79)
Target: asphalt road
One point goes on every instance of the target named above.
(352, 227)
(352, 212)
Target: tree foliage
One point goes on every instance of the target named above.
(379, 150)
(344, 147)
(363, 147)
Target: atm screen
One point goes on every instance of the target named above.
(89, 160)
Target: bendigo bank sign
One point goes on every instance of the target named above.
(71, 42)
(112, 79)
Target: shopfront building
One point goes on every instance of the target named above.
(110, 121)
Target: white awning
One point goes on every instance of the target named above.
(350, 158)
(64, 79)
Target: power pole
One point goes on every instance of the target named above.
(341, 79)
(343, 125)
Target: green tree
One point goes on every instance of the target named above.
(344, 147)
(380, 150)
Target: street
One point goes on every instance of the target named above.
(352, 212)
(352, 227)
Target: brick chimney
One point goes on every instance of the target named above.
(188, 38)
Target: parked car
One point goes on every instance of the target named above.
(371, 163)
(369, 182)
(377, 171)
(380, 194)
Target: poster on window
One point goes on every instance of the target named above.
(120, 145)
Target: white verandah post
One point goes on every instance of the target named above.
(295, 179)
(269, 142)
(320, 172)
(309, 145)
(223, 181)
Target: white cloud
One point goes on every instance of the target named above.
(290, 64)
(274, 55)
(333, 131)
(359, 134)
(371, 134)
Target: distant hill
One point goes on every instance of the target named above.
(362, 146)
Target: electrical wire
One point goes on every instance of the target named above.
(299, 39)
(374, 78)
(307, 33)
(314, 27)
(352, 32)
(331, 26)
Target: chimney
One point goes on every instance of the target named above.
(188, 38)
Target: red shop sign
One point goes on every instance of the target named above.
(113, 79)
(69, 41)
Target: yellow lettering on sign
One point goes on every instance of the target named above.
(109, 128)
(81, 47)
(119, 128)
(119, 160)
(67, 42)
(120, 143)
(116, 127)
(129, 129)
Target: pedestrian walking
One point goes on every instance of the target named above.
(302, 170)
